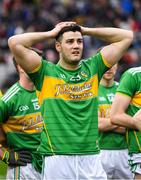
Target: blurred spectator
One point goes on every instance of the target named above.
(18, 16)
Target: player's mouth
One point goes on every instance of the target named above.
(76, 53)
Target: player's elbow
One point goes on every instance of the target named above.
(130, 36)
(12, 43)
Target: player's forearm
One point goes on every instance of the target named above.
(104, 124)
(123, 119)
(110, 35)
(29, 39)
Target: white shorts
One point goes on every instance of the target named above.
(23, 173)
(115, 163)
(135, 163)
(73, 167)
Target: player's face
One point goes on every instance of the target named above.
(110, 73)
(71, 47)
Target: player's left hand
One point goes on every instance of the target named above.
(19, 158)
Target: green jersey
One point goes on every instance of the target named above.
(109, 140)
(130, 85)
(21, 118)
(69, 106)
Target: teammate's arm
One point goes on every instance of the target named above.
(104, 124)
(118, 111)
(119, 40)
(20, 45)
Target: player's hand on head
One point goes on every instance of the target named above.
(60, 26)
(18, 158)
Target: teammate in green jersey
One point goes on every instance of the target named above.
(2, 139)
(68, 95)
(126, 111)
(22, 123)
(112, 139)
(2, 135)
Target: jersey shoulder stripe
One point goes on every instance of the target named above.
(135, 70)
(10, 93)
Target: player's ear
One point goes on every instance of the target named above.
(58, 46)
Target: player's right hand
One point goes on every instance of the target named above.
(19, 158)
(61, 25)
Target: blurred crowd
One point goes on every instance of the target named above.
(19, 16)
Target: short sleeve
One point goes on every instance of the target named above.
(127, 84)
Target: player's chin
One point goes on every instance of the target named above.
(75, 61)
(109, 77)
(76, 58)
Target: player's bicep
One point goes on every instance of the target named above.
(113, 52)
(26, 58)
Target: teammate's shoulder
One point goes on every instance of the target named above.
(91, 58)
(134, 70)
(11, 92)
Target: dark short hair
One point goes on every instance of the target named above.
(73, 28)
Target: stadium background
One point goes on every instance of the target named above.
(19, 16)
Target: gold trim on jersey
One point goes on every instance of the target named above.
(123, 94)
(36, 69)
(31, 123)
(136, 100)
(61, 90)
(105, 61)
(49, 140)
(0, 93)
(137, 140)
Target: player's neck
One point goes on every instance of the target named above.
(107, 83)
(26, 83)
(68, 66)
